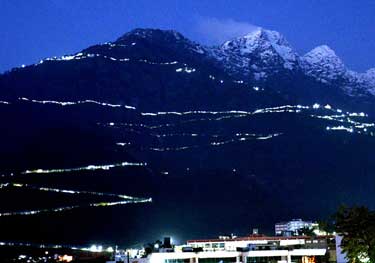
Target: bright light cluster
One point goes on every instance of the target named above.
(348, 122)
(125, 199)
(340, 128)
(186, 69)
(123, 143)
(84, 168)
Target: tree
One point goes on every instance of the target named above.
(152, 247)
(357, 227)
(306, 231)
(327, 225)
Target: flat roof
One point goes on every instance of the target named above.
(256, 238)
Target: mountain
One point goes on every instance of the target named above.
(188, 73)
(223, 138)
(367, 80)
(147, 69)
(257, 55)
(265, 57)
(325, 66)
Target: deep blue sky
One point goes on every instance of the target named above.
(35, 29)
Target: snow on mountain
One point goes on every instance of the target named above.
(261, 52)
(370, 76)
(367, 80)
(323, 64)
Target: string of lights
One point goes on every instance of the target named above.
(124, 199)
(84, 168)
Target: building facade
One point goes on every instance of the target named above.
(292, 227)
(251, 249)
(270, 256)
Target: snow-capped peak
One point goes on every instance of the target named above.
(323, 64)
(259, 38)
(368, 78)
(282, 47)
(322, 53)
(262, 50)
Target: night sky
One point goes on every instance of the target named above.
(36, 29)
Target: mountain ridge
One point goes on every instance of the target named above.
(261, 58)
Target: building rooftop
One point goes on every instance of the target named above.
(257, 237)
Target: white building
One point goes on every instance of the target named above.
(292, 227)
(245, 242)
(250, 249)
(259, 249)
(277, 256)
